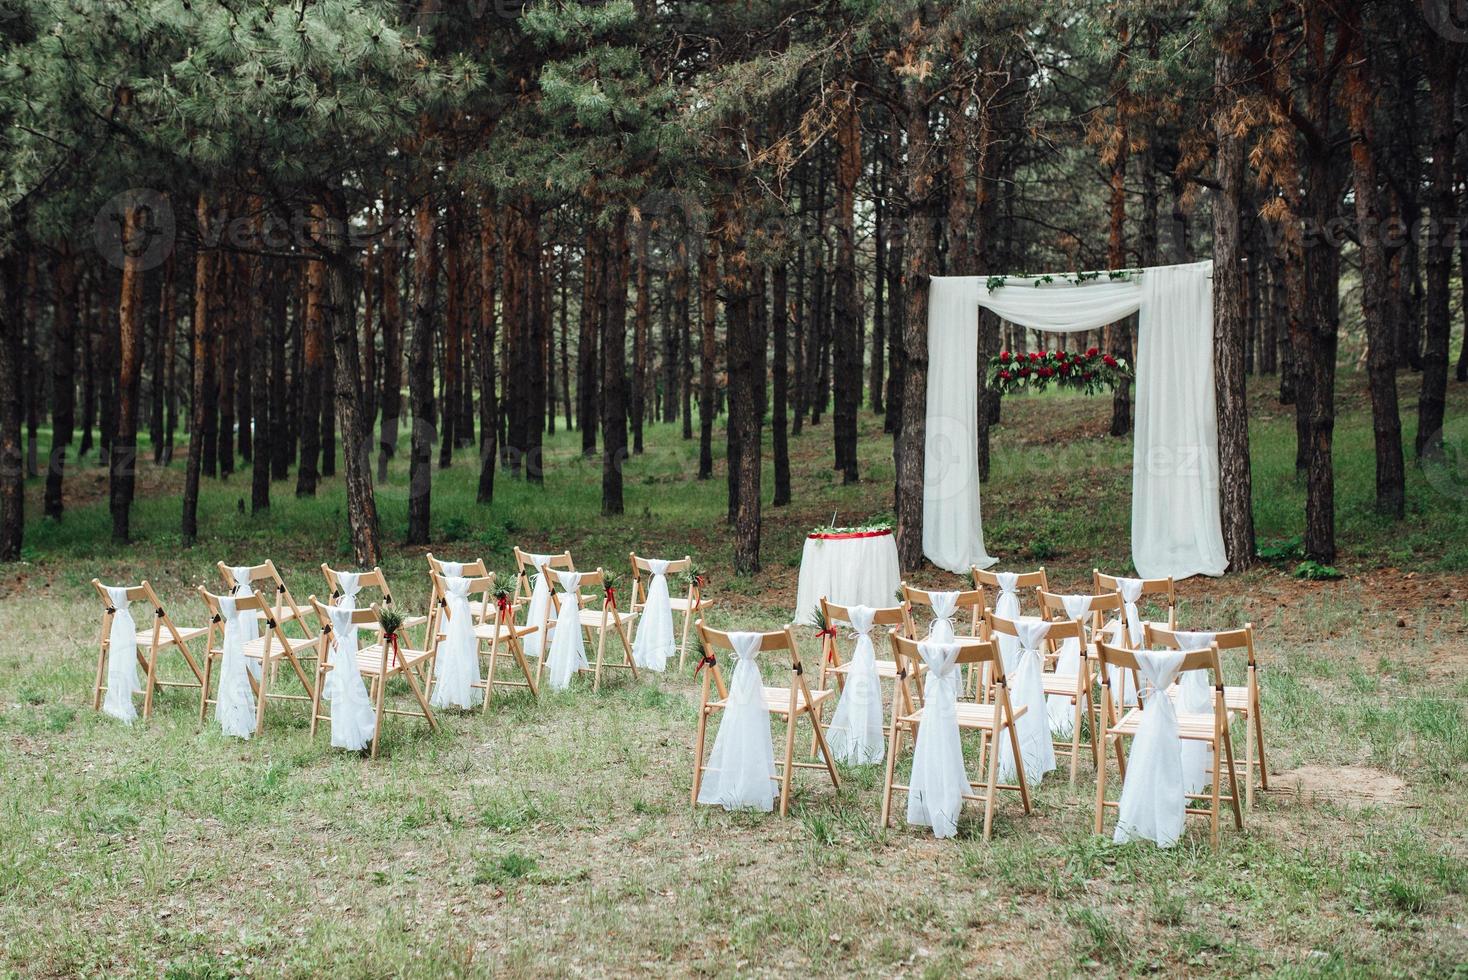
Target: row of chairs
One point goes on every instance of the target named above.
(299, 636)
(1099, 688)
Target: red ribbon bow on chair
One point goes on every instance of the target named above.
(830, 650)
(502, 604)
(706, 659)
(611, 594)
(391, 642)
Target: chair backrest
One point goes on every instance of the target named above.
(986, 579)
(1060, 629)
(135, 593)
(374, 579)
(973, 651)
(971, 599)
(282, 605)
(770, 642)
(1163, 588)
(640, 565)
(1121, 657)
(478, 584)
(883, 615)
(470, 568)
(1052, 607)
(253, 602)
(1234, 639)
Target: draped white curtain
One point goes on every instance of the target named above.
(1176, 527)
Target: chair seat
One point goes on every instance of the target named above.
(970, 715)
(886, 669)
(496, 631)
(255, 649)
(408, 623)
(1062, 684)
(1194, 727)
(777, 699)
(370, 659)
(683, 604)
(592, 617)
(486, 608)
(185, 633)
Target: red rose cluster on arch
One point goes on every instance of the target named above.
(1090, 372)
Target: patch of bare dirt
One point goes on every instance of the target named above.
(1353, 786)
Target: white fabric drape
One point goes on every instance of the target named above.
(741, 767)
(938, 781)
(353, 717)
(655, 641)
(945, 604)
(855, 735)
(456, 667)
(1022, 670)
(122, 659)
(1007, 607)
(250, 619)
(1152, 803)
(1131, 628)
(1176, 528)
(235, 707)
(1068, 664)
(540, 613)
(568, 649)
(1195, 697)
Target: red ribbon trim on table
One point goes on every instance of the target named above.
(850, 534)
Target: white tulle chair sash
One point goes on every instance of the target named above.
(122, 659)
(938, 781)
(1195, 697)
(568, 648)
(1023, 671)
(655, 641)
(1067, 663)
(855, 735)
(353, 717)
(1153, 805)
(944, 604)
(1006, 606)
(740, 774)
(540, 612)
(234, 708)
(456, 666)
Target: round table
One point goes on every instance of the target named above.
(851, 568)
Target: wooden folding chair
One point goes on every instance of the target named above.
(378, 664)
(278, 600)
(163, 635)
(790, 703)
(1243, 700)
(970, 600)
(525, 565)
(691, 606)
(602, 615)
(1076, 687)
(268, 650)
(992, 721)
(1211, 728)
(831, 663)
(374, 579)
(493, 632)
(1162, 593)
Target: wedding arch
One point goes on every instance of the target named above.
(1176, 526)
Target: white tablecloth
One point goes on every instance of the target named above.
(851, 570)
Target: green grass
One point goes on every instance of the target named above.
(555, 837)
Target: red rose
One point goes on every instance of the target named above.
(1087, 376)
(1004, 357)
(1046, 372)
(1004, 375)
(1034, 355)
(1109, 361)
(1024, 372)
(1092, 352)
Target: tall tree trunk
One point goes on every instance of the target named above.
(1118, 335)
(798, 342)
(452, 335)
(912, 434)
(33, 394)
(281, 436)
(260, 363)
(746, 383)
(88, 344)
(12, 463)
(847, 320)
(328, 388)
(63, 378)
(392, 353)
(1442, 76)
(204, 260)
(369, 337)
(534, 335)
(488, 423)
(879, 285)
(247, 312)
(614, 367)
(226, 359)
(1229, 322)
(641, 328)
(160, 327)
(565, 335)
(122, 460)
(339, 320)
(1381, 373)
(780, 374)
(708, 272)
(587, 365)
(170, 356)
(313, 377)
(420, 376)
(685, 335)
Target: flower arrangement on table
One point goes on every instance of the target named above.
(1090, 372)
(832, 531)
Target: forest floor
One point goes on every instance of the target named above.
(556, 837)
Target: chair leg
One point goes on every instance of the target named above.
(204, 690)
(381, 693)
(267, 670)
(1213, 813)
(494, 649)
(820, 737)
(683, 645)
(1256, 722)
(152, 683)
(789, 765)
(316, 699)
(1233, 781)
(703, 724)
(1100, 784)
(101, 673)
(1249, 762)
(422, 701)
(601, 643)
(894, 745)
(992, 788)
(1019, 766)
(1075, 738)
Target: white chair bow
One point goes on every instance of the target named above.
(235, 707)
(568, 649)
(655, 642)
(945, 604)
(348, 584)
(1068, 664)
(1027, 688)
(353, 718)
(741, 768)
(1007, 607)
(938, 782)
(249, 619)
(855, 735)
(1153, 804)
(456, 666)
(122, 659)
(1195, 697)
